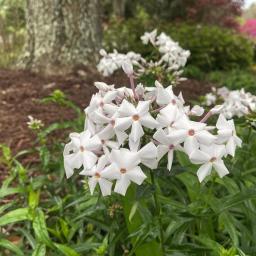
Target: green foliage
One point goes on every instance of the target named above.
(234, 79)
(212, 48)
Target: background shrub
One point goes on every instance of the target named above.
(212, 48)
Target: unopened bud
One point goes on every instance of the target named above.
(127, 68)
(216, 110)
(103, 52)
(197, 110)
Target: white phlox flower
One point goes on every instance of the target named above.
(192, 133)
(96, 174)
(124, 169)
(136, 118)
(149, 37)
(171, 57)
(210, 157)
(235, 102)
(82, 150)
(227, 134)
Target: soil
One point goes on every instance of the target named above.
(21, 91)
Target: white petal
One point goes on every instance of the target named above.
(122, 185)
(163, 98)
(220, 168)
(137, 131)
(105, 187)
(127, 109)
(161, 151)
(107, 132)
(75, 138)
(148, 121)
(170, 159)
(178, 136)
(92, 184)
(111, 172)
(150, 163)
(99, 118)
(93, 143)
(109, 96)
(205, 137)
(68, 170)
(191, 144)
(123, 123)
(121, 136)
(89, 159)
(160, 136)
(136, 175)
(149, 151)
(110, 109)
(231, 147)
(203, 171)
(74, 160)
(199, 157)
(134, 145)
(143, 107)
(222, 122)
(102, 162)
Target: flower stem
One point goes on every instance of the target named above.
(205, 118)
(133, 86)
(158, 210)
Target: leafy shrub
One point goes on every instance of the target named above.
(212, 48)
(234, 79)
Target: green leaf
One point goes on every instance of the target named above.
(40, 228)
(15, 216)
(149, 248)
(67, 251)
(133, 210)
(40, 250)
(10, 191)
(33, 199)
(10, 246)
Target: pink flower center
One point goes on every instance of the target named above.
(213, 159)
(171, 146)
(97, 175)
(113, 122)
(136, 117)
(123, 170)
(191, 132)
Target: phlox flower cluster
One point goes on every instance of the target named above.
(235, 102)
(130, 130)
(171, 56)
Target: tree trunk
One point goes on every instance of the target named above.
(61, 34)
(119, 8)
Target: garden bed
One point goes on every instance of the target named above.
(21, 91)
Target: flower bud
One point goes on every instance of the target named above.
(216, 110)
(127, 67)
(103, 52)
(197, 111)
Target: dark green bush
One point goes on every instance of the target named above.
(212, 48)
(234, 79)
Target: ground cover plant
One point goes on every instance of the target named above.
(171, 213)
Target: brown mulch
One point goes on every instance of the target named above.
(21, 91)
